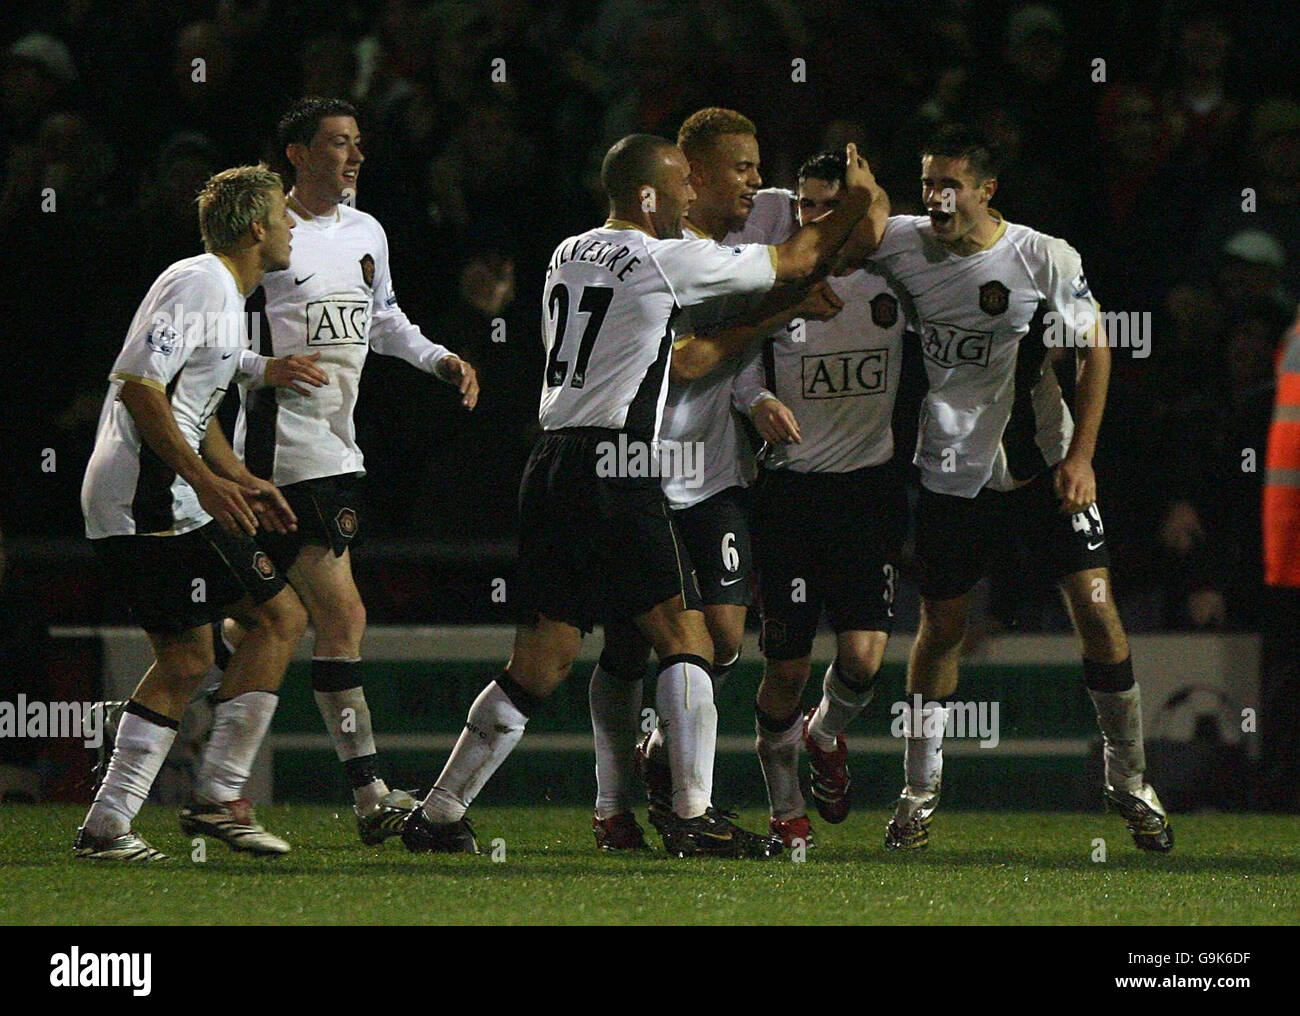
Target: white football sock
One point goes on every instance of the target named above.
(492, 729)
(139, 750)
(367, 797)
(689, 720)
(923, 753)
(1119, 715)
(839, 705)
(615, 709)
(350, 731)
(778, 754)
(238, 728)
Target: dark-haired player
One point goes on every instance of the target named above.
(1001, 456)
(829, 516)
(336, 299)
(597, 540)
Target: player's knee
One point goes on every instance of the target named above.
(942, 627)
(858, 669)
(284, 617)
(1102, 633)
(787, 675)
(187, 660)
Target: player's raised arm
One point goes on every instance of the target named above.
(695, 356)
(812, 248)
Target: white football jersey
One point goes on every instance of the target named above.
(335, 298)
(610, 296)
(994, 415)
(184, 341)
(700, 411)
(838, 377)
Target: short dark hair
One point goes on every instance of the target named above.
(629, 163)
(302, 120)
(961, 141)
(828, 166)
(702, 129)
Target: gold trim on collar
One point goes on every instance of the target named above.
(623, 224)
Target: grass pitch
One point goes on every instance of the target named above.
(992, 868)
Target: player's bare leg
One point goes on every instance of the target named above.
(246, 701)
(328, 590)
(615, 696)
(145, 734)
(543, 656)
(848, 687)
(726, 624)
(1108, 674)
(778, 731)
(931, 674)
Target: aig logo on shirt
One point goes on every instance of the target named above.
(337, 322)
(949, 346)
(842, 375)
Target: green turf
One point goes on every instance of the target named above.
(980, 869)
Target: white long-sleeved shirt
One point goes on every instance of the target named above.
(335, 298)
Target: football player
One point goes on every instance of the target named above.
(171, 511)
(1001, 455)
(830, 514)
(710, 506)
(336, 299)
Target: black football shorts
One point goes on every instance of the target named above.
(827, 541)
(593, 548)
(957, 537)
(174, 583)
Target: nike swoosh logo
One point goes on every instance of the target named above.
(226, 356)
(732, 582)
(1094, 546)
(299, 282)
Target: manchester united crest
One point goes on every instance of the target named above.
(993, 298)
(884, 310)
(346, 520)
(263, 566)
(368, 270)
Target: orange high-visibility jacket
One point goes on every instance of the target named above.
(1282, 472)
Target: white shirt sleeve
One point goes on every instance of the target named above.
(699, 270)
(1066, 292)
(252, 368)
(748, 389)
(391, 331)
(157, 347)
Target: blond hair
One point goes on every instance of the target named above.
(705, 126)
(232, 200)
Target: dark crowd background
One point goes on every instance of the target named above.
(476, 180)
